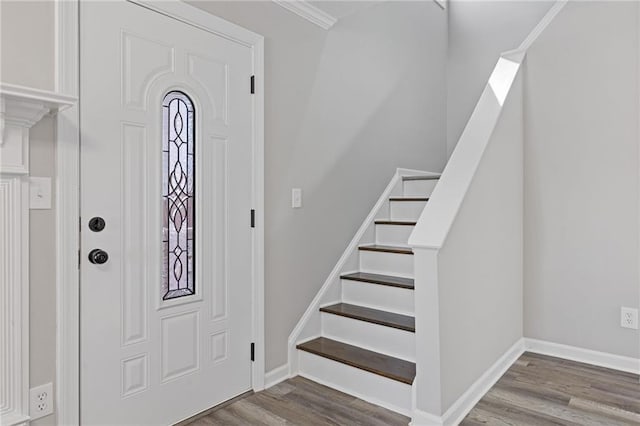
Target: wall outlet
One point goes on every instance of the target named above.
(41, 401)
(629, 318)
(296, 198)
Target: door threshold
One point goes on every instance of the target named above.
(212, 409)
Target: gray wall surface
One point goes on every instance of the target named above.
(581, 178)
(344, 108)
(479, 31)
(27, 59)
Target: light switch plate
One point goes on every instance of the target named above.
(39, 193)
(296, 198)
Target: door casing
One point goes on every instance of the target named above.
(68, 183)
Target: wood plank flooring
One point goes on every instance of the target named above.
(541, 390)
(536, 391)
(299, 401)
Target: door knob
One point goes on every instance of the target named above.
(98, 256)
(96, 224)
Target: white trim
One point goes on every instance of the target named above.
(441, 3)
(465, 403)
(205, 21)
(67, 202)
(542, 25)
(258, 293)
(14, 298)
(422, 418)
(638, 159)
(52, 101)
(67, 211)
(275, 376)
(458, 411)
(309, 12)
(587, 356)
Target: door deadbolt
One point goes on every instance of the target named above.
(97, 224)
(98, 256)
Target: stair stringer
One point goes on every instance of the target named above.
(309, 326)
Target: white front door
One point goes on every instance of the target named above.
(166, 162)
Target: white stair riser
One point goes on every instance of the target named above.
(393, 235)
(406, 210)
(400, 265)
(378, 338)
(419, 188)
(387, 393)
(382, 297)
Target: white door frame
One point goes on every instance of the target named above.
(68, 191)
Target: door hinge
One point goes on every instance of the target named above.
(253, 218)
(253, 84)
(253, 351)
(78, 259)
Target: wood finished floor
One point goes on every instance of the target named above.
(537, 391)
(299, 401)
(540, 390)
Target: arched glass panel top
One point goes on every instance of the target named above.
(178, 191)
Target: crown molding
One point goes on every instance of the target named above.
(309, 12)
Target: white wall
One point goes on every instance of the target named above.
(478, 32)
(581, 178)
(27, 58)
(469, 257)
(344, 108)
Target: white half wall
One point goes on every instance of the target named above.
(581, 178)
(480, 264)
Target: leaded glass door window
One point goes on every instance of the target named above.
(178, 186)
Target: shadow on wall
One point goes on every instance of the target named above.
(343, 109)
(377, 103)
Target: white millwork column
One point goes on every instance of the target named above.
(20, 109)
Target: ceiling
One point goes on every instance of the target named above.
(341, 9)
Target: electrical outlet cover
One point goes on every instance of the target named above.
(629, 318)
(41, 401)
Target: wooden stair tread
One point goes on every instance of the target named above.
(386, 249)
(421, 177)
(389, 280)
(373, 362)
(425, 199)
(395, 222)
(374, 316)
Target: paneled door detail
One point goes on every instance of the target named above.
(166, 162)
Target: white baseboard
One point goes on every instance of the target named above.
(587, 356)
(275, 376)
(422, 418)
(463, 405)
(458, 411)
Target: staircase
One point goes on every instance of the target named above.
(366, 343)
